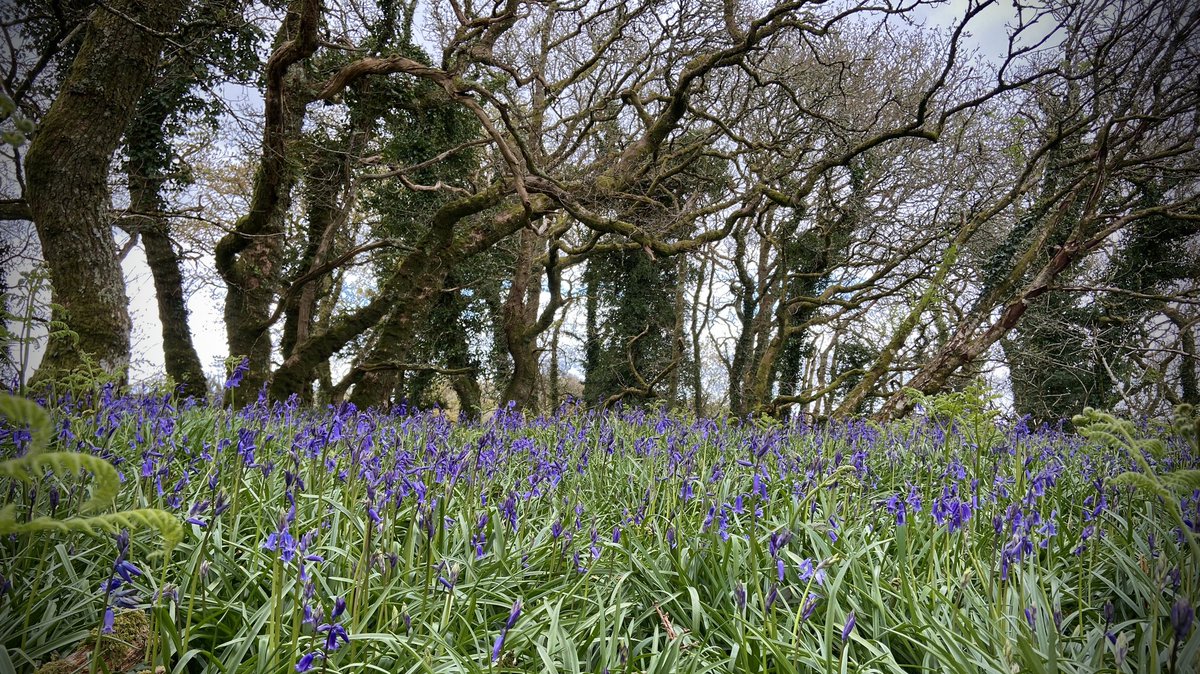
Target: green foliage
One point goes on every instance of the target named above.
(21, 129)
(1107, 430)
(635, 318)
(24, 412)
(971, 406)
(164, 522)
(673, 594)
(32, 467)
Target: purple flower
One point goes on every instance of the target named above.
(810, 571)
(778, 541)
(687, 492)
(513, 615)
(499, 645)
(339, 607)
(306, 662)
(235, 377)
(335, 636)
(810, 605)
(1182, 615)
(850, 621)
(107, 628)
(898, 508)
(126, 570)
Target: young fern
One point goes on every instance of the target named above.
(31, 467)
(1105, 429)
(25, 412)
(168, 525)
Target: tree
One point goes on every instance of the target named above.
(215, 46)
(66, 170)
(1107, 131)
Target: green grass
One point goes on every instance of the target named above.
(926, 598)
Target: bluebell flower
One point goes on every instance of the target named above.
(849, 627)
(335, 636)
(810, 571)
(777, 541)
(306, 663)
(809, 606)
(1182, 615)
(897, 507)
(235, 377)
(513, 615)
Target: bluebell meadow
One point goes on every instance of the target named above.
(347, 540)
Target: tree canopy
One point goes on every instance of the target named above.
(734, 206)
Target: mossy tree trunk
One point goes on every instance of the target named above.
(67, 176)
(180, 359)
(145, 171)
(249, 257)
(520, 313)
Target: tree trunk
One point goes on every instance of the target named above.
(674, 399)
(520, 312)
(329, 196)
(740, 365)
(555, 393)
(591, 343)
(465, 385)
(411, 286)
(1189, 363)
(67, 177)
(148, 161)
(699, 321)
(965, 346)
(855, 398)
(381, 377)
(180, 359)
(249, 257)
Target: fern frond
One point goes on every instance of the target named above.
(168, 525)
(1181, 481)
(22, 411)
(30, 468)
(1143, 483)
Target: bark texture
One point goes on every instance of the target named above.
(249, 257)
(67, 171)
(519, 317)
(179, 353)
